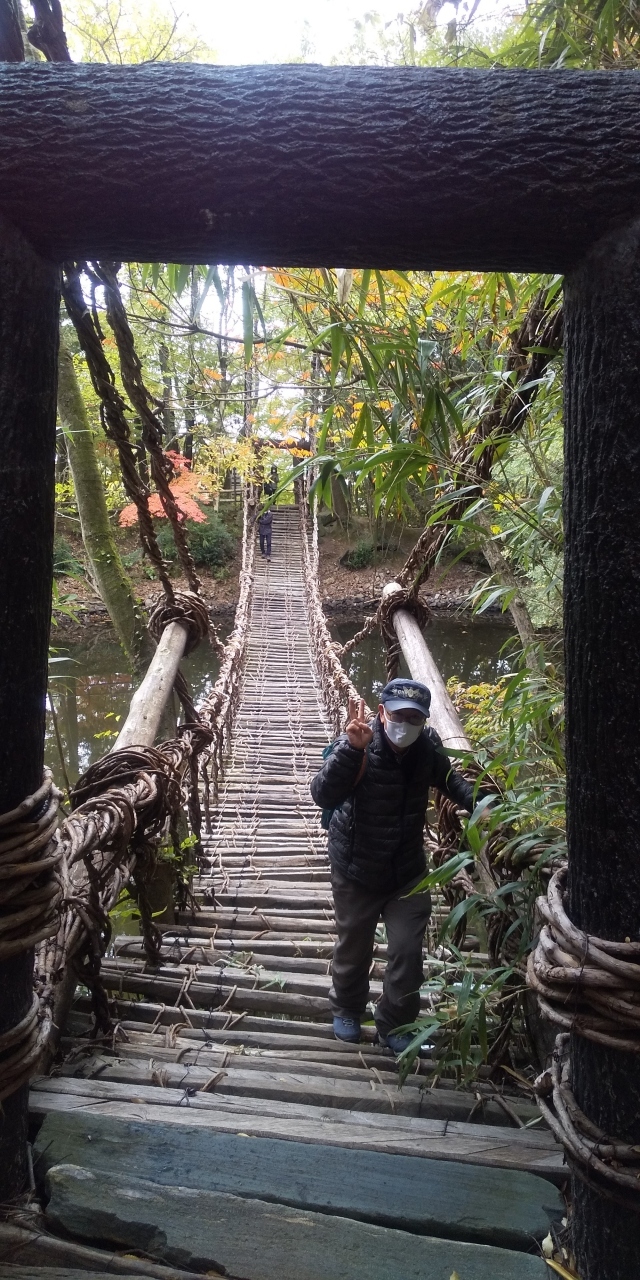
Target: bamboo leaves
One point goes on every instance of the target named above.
(250, 310)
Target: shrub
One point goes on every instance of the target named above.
(211, 543)
(132, 557)
(360, 556)
(65, 562)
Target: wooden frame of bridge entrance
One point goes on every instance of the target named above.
(404, 168)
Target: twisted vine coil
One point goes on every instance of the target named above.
(29, 887)
(30, 901)
(610, 1166)
(591, 987)
(185, 607)
(584, 983)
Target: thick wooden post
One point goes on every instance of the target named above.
(428, 168)
(29, 305)
(602, 628)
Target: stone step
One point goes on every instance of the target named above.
(32, 1252)
(457, 1201)
(8, 1272)
(259, 1240)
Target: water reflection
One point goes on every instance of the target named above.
(91, 687)
(475, 652)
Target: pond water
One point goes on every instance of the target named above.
(91, 684)
(473, 651)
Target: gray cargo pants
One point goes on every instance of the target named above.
(358, 911)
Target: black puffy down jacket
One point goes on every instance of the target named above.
(376, 834)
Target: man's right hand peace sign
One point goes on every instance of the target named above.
(358, 731)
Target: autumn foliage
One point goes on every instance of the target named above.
(184, 488)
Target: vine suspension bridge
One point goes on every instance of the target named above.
(198, 1062)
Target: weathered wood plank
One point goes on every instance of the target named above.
(7, 1272)
(439, 1139)
(205, 995)
(355, 1091)
(449, 132)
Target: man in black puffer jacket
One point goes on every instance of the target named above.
(376, 780)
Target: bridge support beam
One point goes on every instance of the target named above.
(416, 653)
(29, 310)
(151, 697)
(602, 626)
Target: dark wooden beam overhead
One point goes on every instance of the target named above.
(361, 166)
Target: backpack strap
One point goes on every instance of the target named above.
(363, 768)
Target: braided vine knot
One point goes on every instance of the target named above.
(187, 608)
(395, 597)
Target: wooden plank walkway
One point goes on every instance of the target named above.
(233, 1032)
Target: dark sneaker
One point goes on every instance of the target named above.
(397, 1044)
(347, 1029)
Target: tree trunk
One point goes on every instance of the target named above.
(340, 503)
(167, 412)
(125, 610)
(11, 42)
(500, 565)
(29, 306)
(602, 625)
(476, 169)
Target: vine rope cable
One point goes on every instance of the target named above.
(30, 899)
(588, 986)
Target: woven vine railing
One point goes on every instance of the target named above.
(335, 685)
(60, 880)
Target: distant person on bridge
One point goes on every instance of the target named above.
(265, 524)
(374, 786)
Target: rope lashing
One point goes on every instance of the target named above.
(128, 765)
(21, 1048)
(30, 901)
(113, 415)
(106, 274)
(583, 983)
(610, 1166)
(219, 707)
(397, 597)
(591, 987)
(29, 886)
(185, 607)
(411, 577)
(75, 873)
(103, 793)
(190, 610)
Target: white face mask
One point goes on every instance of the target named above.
(402, 734)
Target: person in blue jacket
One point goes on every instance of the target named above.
(265, 524)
